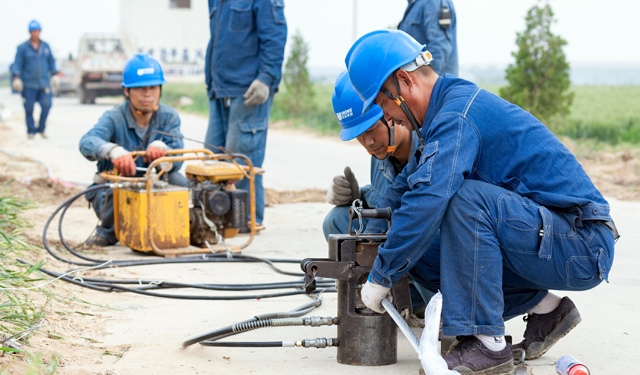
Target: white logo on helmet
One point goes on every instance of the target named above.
(344, 114)
(144, 71)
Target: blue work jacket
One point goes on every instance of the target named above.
(472, 134)
(421, 22)
(34, 67)
(117, 127)
(247, 42)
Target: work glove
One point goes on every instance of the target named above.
(17, 84)
(257, 93)
(344, 189)
(155, 150)
(55, 81)
(123, 161)
(373, 294)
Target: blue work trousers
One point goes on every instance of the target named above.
(29, 98)
(241, 129)
(500, 253)
(102, 203)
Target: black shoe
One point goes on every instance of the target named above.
(97, 240)
(544, 330)
(470, 356)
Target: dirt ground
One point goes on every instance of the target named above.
(121, 333)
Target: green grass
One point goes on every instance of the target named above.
(603, 115)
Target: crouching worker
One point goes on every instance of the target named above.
(128, 127)
(516, 214)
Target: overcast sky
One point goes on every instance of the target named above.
(597, 31)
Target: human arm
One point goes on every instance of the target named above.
(171, 125)
(447, 159)
(438, 40)
(98, 142)
(272, 34)
(16, 67)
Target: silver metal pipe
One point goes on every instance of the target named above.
(404, 327)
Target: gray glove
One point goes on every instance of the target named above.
(17, 84)
(257, 93)
(344, 189)
(55, 82)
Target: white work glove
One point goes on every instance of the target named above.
(373, 294)
(344, 189)
(257, 93)
(17, 84)
(123, 161)
(55, 82)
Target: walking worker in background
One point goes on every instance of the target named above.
(516, 213)
(128, 127)
(433, 22)
(33, 74)
(242, 71)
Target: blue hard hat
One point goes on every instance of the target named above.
(34, 25)
(141, 71)
(348, 108)
(376, 55)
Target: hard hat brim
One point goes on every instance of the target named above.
(351, 133)
(155, 82)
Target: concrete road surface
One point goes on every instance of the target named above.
(607, 340)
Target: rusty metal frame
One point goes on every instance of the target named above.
(203, 154)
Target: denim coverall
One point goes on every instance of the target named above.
(35, 68)
(117, 127)
(517, 214)
(421, 22)
(247, 42)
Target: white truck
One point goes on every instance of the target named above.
(101, 59)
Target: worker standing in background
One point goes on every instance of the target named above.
(516, 213)
(433, 23)
(128, 127)
(33, 74)
(242, 72)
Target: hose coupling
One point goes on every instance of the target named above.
(317, 321)
(319, 343)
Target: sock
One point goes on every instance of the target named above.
(547, 305)
(493, 343)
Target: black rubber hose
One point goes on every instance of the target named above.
(258, 344)
(46, 226)
(228, 330)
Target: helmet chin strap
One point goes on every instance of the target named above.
(399, 100)
(392, 145)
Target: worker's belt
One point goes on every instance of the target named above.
(611, 225)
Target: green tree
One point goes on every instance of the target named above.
(298, 98)
(539, 78)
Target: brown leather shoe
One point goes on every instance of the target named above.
(544, 330)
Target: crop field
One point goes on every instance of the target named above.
(600, 115)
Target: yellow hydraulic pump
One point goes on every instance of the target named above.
(152, 215)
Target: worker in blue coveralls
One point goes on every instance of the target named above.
(33, 73)
(433, 22)
(390, 148)
(242, 72)
(517, 214)
(129, 127)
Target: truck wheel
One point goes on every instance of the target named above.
(91, 97)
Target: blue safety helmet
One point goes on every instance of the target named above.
(375, 56)
(141, 71)
(348, 108)
(34, 25)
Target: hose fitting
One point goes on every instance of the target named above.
(316, 321)
(319, 343)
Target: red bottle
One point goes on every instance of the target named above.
(568, 365)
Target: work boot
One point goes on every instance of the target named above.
(30, 136)
(98, 240)
(43, 135)
(470, 356)
(544, 330)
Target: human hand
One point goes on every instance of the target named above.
(257, 93)
(344, 189)
(17, 84)
(373, 294)
(123, 161)
(155, 150)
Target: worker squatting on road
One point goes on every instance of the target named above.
(243, 68)
(128, 127)
(434, 23)
(33, 74)
(517, 214)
